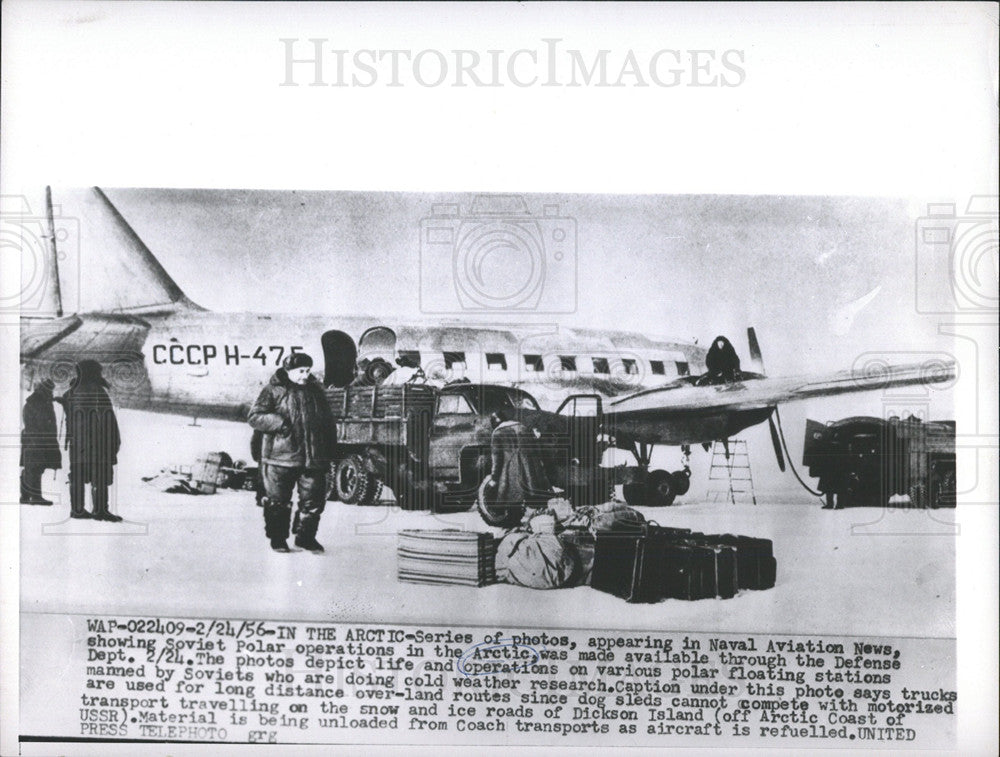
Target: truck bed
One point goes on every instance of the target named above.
(396, 415)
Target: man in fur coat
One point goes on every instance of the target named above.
(297, 447)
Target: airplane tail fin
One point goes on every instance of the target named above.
(106, 266)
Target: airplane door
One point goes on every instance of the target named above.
(339, 358)
(378, 341)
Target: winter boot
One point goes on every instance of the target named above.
(306, 536)
(276, 517)
(99, 494)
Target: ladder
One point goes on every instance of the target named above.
(733, 470)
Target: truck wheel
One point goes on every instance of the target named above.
(918, 496)
(495, 514)
(351, 482)
(659, 489)
(373, 491)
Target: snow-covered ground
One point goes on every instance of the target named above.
(857, 571)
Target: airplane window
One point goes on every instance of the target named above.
(682, 368)
(533, 363)
(453, 404)
(411, 355)
(601, 365)
(496, 361)
(657, 368)
(567, 362)
(450, 358)
(630, 366)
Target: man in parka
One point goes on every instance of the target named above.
(93, 441)
(298, 445)
(39, 443)
(517, 473)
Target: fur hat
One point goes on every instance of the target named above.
(297, 360)
(89, 372)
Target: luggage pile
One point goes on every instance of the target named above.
(466, 558)
(675, 563)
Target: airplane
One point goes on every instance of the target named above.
(162, 352)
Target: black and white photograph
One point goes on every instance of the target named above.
(391, 380)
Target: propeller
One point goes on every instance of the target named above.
(756, 359)
(758, 365)
(776, 441)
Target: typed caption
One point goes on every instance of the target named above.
(203, 680)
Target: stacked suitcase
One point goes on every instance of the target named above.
(676, 563)
(465, 558)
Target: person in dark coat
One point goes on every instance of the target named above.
(39, 443)
(517, 474)
(93, 441)
(256, 442)
(722, 363)
(298, 444)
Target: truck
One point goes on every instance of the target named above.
(862, 461)
(431, 445)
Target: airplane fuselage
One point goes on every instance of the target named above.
(204, 364)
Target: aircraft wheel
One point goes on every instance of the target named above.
(659, 489)
(495, 514)
(681, 479)
(635, 494)
(352, 484)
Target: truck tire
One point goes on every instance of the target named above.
(504, 516)
(659, 489)
(352, 484)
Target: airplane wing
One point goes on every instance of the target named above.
(675, 400)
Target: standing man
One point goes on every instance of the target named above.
(298, 445)
(93, 441)
(39, 443)
(517, 474)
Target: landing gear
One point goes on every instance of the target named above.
(660, 488)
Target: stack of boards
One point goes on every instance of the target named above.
(446, 557)
(676, 563)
